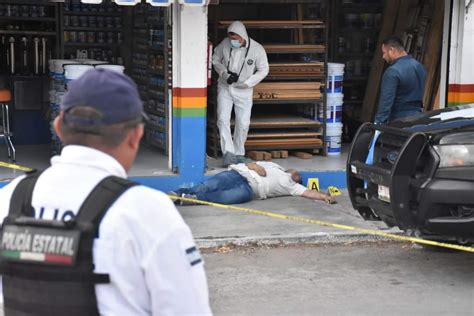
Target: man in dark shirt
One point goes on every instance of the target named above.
(403, 83)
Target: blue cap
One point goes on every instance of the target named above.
(113, 94)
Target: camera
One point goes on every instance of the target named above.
(233, 77)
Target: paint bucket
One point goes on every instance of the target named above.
(335, 78)
(92, 62)
(333, 138)
(52, 96)
(116, 68)
(58, 98)
(73, 72)
(334, 108)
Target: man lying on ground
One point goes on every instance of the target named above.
(244, 182)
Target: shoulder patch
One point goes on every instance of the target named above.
(250, 62)
(193, 255)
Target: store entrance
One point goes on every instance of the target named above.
(326, 68)
(40, 39)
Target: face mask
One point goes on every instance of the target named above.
(235, 43)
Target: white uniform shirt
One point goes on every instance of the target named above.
(277, 182)
(142, 238)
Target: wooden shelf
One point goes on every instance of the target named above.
(277, 24)
(283, 143)
(299, 77)
(289, 102)
(282, 121)
(280, 134)
(296, 70)
(293, 49)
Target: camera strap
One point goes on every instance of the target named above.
(245, 57)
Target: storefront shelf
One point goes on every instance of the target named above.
(92, 44)
(89, 13)
(39, 33)
(277, 24)
(97, 29)
(27, 18)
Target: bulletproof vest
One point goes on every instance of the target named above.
(47, 265)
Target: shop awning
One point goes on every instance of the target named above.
(157, 3)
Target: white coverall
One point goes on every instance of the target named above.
(255, 69)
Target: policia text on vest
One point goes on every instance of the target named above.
(39, 244)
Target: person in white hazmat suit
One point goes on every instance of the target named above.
(241, 63)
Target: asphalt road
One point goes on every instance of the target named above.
(381, 278)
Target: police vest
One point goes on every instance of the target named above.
(47, 265)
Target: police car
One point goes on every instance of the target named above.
(417, 174)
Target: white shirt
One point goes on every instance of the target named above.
(142, 238)
(277, 182)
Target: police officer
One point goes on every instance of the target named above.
(241, 63)
(144, 260)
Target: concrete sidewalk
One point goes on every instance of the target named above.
(213, 226)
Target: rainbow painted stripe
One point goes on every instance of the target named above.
(36, 257)
(459, 94)
(189, 102)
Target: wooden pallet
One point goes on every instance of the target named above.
(287, 91)
(293, 49)
(283, 143)
(303, 70)
(291, 85)
(281, 121)
(301, 134)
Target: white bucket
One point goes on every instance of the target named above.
(58, 65)
(333, 138)
(116, 68)
(335, 102)
(335, 77)
(73, 72)
(92, 62)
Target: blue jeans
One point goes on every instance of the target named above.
(227, 187)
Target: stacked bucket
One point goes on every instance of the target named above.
(62, 72)
(335, 100)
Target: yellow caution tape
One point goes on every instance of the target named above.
(13, 166)
(333, 225)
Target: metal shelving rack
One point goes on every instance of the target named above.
(354, 45)
(97, 29)
(11, 13)
(150, 68)
(294, 131)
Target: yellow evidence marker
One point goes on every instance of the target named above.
(313, 184)
(333, 191)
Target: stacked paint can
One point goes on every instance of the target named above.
(56, 93)
(335, 101)
(62, 72)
